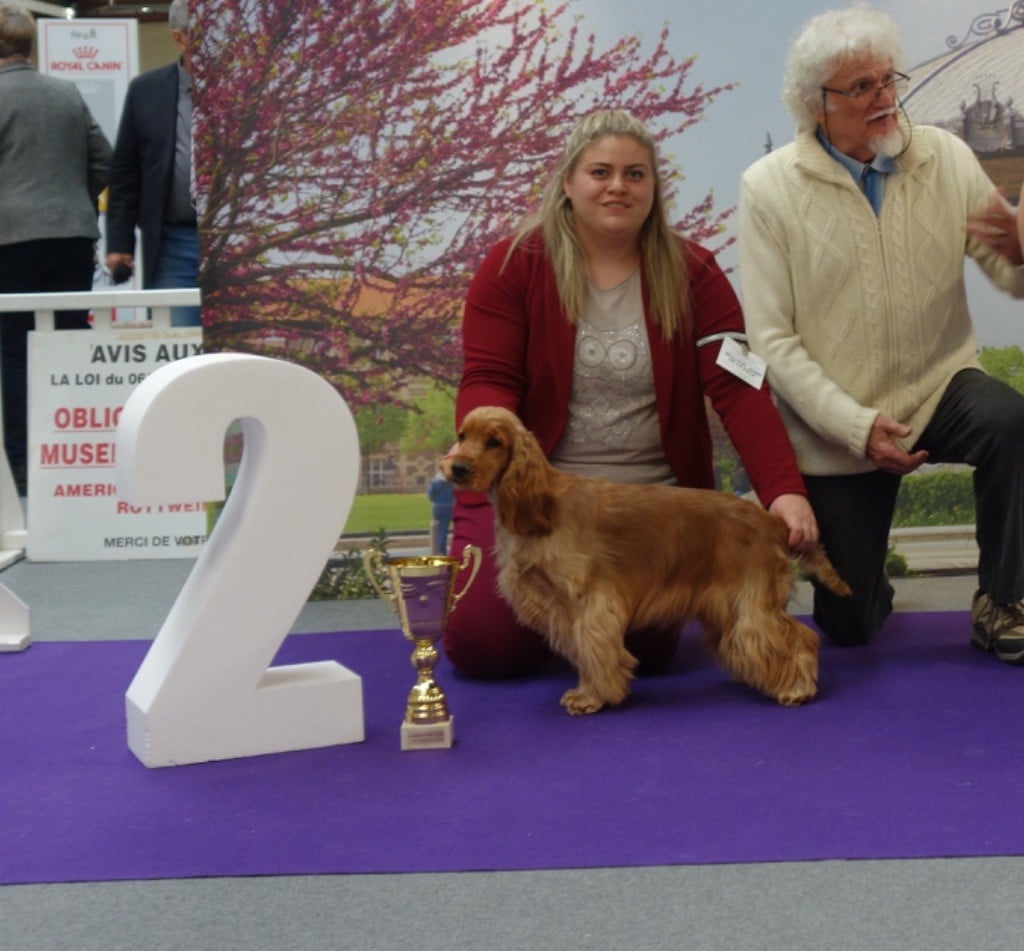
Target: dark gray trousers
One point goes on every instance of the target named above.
(979, 421)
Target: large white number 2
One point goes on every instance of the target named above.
(205, 690)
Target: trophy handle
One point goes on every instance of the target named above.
(469, 554)
(373, 564)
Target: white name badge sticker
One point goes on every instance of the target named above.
(739, 361)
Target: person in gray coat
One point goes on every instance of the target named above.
(54, 163)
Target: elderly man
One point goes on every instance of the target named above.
(852, 246)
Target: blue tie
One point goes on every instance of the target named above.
(871, 182)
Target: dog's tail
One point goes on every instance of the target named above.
(816, 564)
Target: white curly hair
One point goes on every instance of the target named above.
(822, 45)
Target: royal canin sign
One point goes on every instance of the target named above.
(86, 60)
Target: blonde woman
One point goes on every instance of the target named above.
(601, 329)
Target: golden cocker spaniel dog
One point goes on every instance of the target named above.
(582, 560)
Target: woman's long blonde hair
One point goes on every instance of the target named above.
(662, 258)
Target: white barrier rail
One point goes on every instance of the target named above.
(103, 305)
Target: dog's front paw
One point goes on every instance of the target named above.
(578, 702)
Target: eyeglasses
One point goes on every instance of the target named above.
(897, 82)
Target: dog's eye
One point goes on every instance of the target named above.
(493, 442)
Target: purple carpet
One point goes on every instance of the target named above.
(913, 749)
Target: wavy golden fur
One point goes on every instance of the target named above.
(583, 560)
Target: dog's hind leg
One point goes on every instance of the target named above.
(604, 665)
(797, 680)
(753, 637)
(774, 654)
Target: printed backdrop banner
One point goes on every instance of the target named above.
(451, 125)
(79, 381)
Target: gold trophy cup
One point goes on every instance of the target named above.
(422, 593)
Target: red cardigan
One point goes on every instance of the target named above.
(518, 352)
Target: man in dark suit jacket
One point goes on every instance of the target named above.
(54, 162)
(150, 177)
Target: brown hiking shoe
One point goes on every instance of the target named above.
(998, 628)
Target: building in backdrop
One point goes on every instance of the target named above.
(975, 89)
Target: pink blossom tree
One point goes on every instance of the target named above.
(357, 159)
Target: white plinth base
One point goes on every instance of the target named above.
(298, 707)
(10, 643)
(428, 736)
(14, 622)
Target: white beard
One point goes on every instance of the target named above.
(890, 144)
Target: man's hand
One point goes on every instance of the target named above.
(796, 512)
(999, 228)
(886, 453)
(1020, 216)
(117, 263)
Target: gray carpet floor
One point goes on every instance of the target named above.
(919, 904)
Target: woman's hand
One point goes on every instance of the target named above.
(796, 512)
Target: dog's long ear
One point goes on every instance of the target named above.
(525, 498)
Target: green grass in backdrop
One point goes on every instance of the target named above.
(392, 513)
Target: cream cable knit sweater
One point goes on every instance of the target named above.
(858, 315)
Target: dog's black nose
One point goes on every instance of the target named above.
(459, 471)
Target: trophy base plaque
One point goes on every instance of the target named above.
(428, 736)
